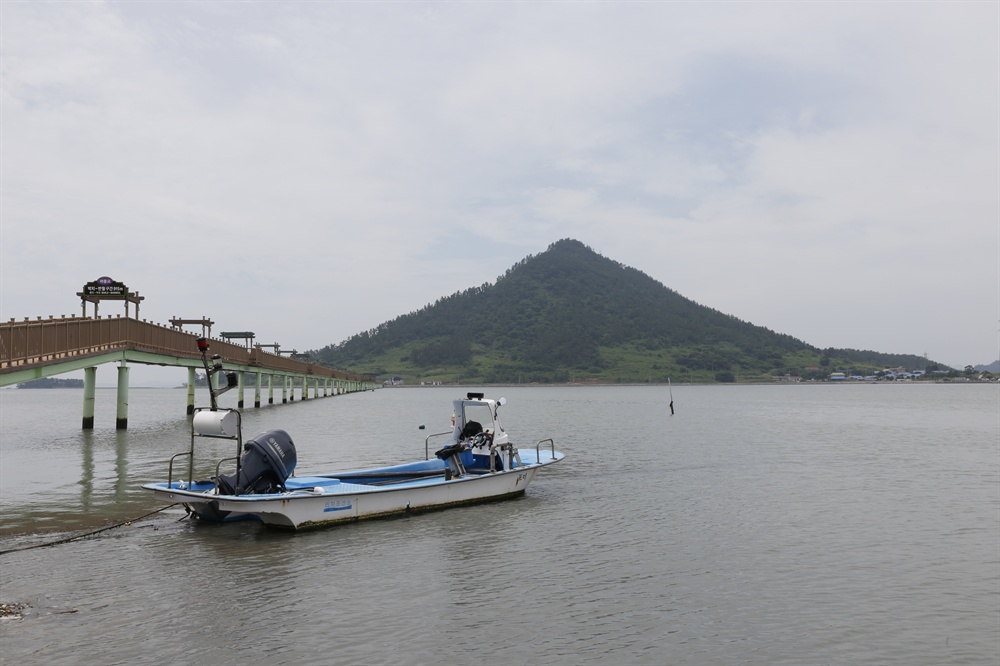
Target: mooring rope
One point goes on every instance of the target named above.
(87, 534)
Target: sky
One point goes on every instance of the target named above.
(309, 170)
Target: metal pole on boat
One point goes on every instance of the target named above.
(209, 375)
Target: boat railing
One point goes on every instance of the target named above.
(427, 449)
(170, 467)
(214, 424)
(538, 447)
(218, 470)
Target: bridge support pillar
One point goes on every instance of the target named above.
(284, 389)
(270, 389)
(242, 381)
(256, 391)
(192, 378)
(89, 385)
(121, 419)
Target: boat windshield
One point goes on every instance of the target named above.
(480, 413)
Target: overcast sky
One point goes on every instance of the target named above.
(310, 170)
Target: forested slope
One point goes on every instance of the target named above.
(572, 314)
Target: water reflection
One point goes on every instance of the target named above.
(87, 475)
(121, 465)
(56, 477)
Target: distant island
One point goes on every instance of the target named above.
(570, 315)
(51, 382)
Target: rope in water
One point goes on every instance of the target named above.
(86, 534)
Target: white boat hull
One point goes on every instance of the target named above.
(330, 501)
(300, 512)
(477, 464)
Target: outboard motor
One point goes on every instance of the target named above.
(267, 461)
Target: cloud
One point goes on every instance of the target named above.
(313, 169)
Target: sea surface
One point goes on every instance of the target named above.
(814, 524)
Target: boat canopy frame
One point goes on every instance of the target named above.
(215, 424)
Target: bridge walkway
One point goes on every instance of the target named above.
(33, 349)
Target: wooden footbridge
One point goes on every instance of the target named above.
(32, 349)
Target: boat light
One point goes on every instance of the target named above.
(202, 344)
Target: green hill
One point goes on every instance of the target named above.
(570, 314)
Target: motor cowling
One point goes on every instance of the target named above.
(267, 461)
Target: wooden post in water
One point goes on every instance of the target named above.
(89, 385)
(121, 419)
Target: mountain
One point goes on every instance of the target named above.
(570, 314)
(993, 367)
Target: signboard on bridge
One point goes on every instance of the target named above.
(105, 287)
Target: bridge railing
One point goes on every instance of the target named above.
(41, 341)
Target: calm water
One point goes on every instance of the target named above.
(759, 525)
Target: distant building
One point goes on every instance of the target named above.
(787, 378)
(837, 377)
